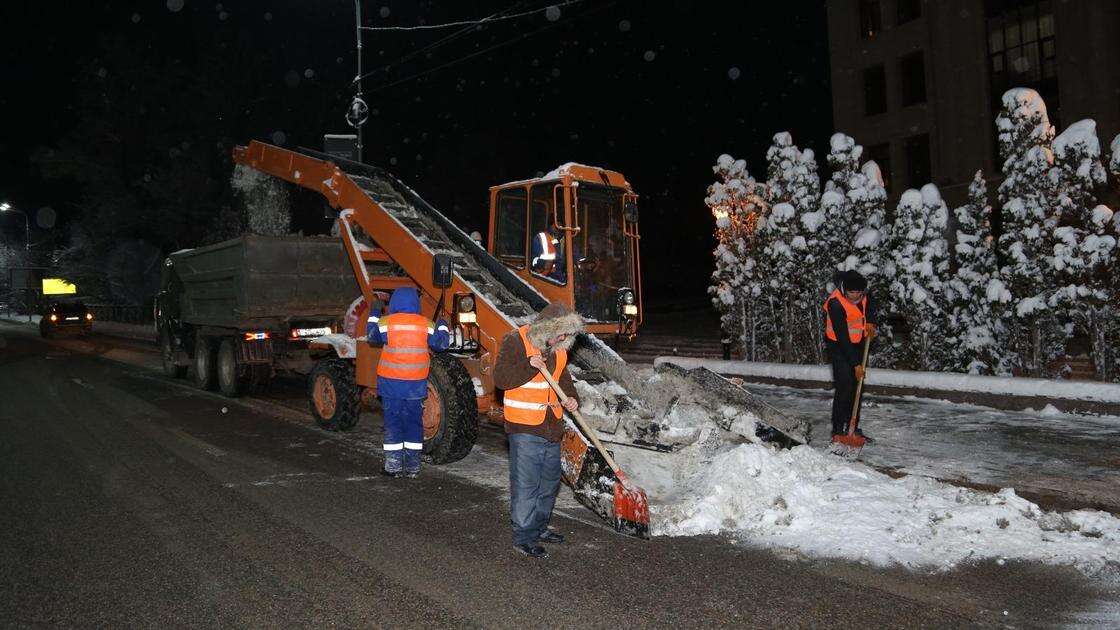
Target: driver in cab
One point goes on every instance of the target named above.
(547, 256)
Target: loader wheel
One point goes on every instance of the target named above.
(167, 354)
(205, 375)
(230, 383)
(450, 412)
(335, 404)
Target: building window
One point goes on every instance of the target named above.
(912, 72)
(874, 90)
(881, 154)
(1022, 51)
(917, 161)
(870, 19)
(909, 10)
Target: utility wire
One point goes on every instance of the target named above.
(485, 20)
(454, 62)
(436, 44)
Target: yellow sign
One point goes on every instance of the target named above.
(58, 286)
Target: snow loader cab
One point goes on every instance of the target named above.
(573, 235)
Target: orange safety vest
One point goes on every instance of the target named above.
(405, 356)
(529, 403)
(854, 314)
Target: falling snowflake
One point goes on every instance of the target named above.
(308, 73)
(268, 16)
(649, 56)
(279, 138)
(384, 12)
(135, 18)
(393, 161)
(223, 15)
(102, 72)
(624, 26)
(552, 13)
(733, 73)
(556, 72)
(291, 79)
(175, 6)
(338, 60)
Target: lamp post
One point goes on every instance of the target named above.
(7, 207)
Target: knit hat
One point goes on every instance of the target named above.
(852, 280)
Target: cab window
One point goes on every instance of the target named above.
(544, 235)
(510, 226)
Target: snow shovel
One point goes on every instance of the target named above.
(853, 440)
(589, 472)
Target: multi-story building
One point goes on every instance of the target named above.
(918, 83)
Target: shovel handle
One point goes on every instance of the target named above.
(859, 387)
(582, 423)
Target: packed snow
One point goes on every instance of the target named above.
(820, 505)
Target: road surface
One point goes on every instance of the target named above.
(132, 499)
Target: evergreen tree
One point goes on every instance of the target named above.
(921, 265)
(793, 191)
(1084, 254)
(973, 289)
(737, 202)
(1028, 203)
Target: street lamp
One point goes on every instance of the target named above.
(7, 207)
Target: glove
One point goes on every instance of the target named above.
(442, 322)
(859, 372)
(872, 330)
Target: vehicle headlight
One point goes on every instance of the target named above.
(89, 316)
(54, 318)
(468, 318)
(630, 310)
(466, 304)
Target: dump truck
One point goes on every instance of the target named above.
(394, 238)
(241, 311)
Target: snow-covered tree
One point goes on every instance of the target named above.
(1084, 250)
(793, 191)
(738, 204)
(1028, 202)
(1114, 163)
(921, 265)
(974, 330)
(267, 208)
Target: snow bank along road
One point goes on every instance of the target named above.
(129, 498)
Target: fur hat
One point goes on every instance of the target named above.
(555, 319)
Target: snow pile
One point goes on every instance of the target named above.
(821, 505)
(266, 206)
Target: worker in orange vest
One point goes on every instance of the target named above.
(850, 316)
(406, 337)
(534, 420)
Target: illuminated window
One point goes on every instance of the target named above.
(1022, 50)
(870, 19)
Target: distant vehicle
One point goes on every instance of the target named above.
(65, 316)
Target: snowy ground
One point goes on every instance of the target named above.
(820, 505)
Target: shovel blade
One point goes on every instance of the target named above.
(597, 487)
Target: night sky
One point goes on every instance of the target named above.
(656, 90)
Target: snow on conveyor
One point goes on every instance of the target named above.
(821, 505)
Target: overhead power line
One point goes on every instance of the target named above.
(486, 20)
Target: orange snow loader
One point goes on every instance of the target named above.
(393, 238)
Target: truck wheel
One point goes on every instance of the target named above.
(450, 412)
(167, 354)
(335, 404)
(204, 373)
(230, 383)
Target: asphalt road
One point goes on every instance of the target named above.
(129, 499)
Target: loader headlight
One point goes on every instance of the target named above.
(468, 318)
(466, 304)
(630, 310)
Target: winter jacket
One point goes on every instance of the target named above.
(843, 347)
(512, 369)
(403, 300)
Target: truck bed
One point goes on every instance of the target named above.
(267, 282)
